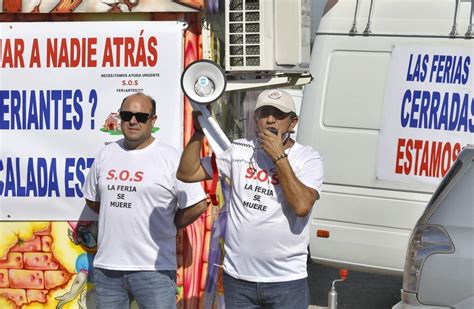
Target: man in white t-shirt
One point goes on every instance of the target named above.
(274, 183)
(132, 185)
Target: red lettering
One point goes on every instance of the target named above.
(424, 160)
(19, 49)
(51, 52)
(129, 48)
(250, 173)
(75, 52)
(264, 174)
(111, 174)
(91, 52)
(418, 147)
(7, 57)
(275, 180)
(108, 59)
(118, 42)
(72, 52)
(432, 158)
(398, 166)
(435, 159)
(35, 55)
(138, 176)
(124, 175)
(408, 162)
(446, 159)
(456, 150)
(63, 57)
(153, 57)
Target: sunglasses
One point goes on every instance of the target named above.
(265, 111)
(140, 117)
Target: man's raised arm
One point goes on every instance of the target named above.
(190, 168)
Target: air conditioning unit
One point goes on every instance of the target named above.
(267, 35)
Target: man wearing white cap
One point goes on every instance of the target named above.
(274, 183)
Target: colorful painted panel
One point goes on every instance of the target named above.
(47, 264)
(99, 6)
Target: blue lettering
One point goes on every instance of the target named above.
(4, 124)
(414, 109)
(42, 176)
(420, 68)
(10, 179)
(425, 106)
(32, 114)
(45, 110)
(55, 97)
(68, 176)
(446, 76)
(471, 121)
(457, 72)
(77, 120)
(463, 114)
(435, 104)
(404, 116)
(37, 180)
(2, 185)
(53, 179)
(67, 124)
(424, 66)
(439, 75)
(20, 190)
(416, 72)
(454, 112)
(434, 66)
(80, 165)
(465, 76)
(31, 179)
(409, 76)
(443, 117)
(15, 107)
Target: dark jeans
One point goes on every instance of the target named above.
(151, 289)
(277, 295)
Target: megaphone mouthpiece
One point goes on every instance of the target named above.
(204, 86)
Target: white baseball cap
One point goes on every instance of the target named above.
(276, 98)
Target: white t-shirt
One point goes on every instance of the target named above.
(265, 241)
(139, 196)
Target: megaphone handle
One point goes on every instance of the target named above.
(203, 109)
(216, 137)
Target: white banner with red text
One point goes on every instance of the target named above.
(61, 86)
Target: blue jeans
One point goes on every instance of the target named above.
(150, 289)
(277, 295)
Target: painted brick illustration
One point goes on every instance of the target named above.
(30, 270)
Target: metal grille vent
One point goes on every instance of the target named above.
(244, 32)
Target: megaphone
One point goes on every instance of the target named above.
(204, 82)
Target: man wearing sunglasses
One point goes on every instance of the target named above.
(274, 183)
(132, 185)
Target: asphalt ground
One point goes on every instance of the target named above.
(359, 291)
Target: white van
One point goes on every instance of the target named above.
(389, 109)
